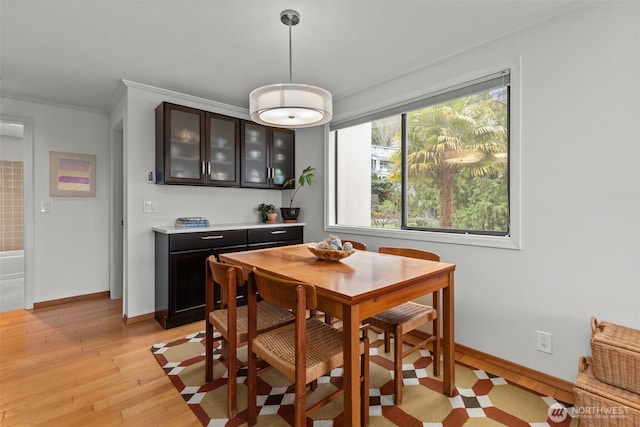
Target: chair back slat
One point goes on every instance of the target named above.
(224, 275)
(283, 292)
(356, 245)
(409, 252)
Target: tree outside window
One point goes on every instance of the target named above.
(441, 167)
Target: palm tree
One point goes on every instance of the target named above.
(463, 137)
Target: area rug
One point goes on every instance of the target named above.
(482, 399)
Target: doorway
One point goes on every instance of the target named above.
(116, 273)
(16, 231)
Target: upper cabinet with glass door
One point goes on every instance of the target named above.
(267, 155)
(179, 148)
(196, 147)
(282, 155)
(223, 154)
(255, 155)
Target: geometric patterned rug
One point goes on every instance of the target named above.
(483, 399)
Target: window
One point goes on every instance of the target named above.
(439, 164)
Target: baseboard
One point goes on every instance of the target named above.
(54, 302)
(136, 319)
(538, 376)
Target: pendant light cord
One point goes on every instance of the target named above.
(290, 56)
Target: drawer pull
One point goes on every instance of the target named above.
(279, 232)
(212, 237)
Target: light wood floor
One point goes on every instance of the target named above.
(78, 364)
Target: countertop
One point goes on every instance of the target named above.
(221, 227)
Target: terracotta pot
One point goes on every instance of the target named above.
(272, 217)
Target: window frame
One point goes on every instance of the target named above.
(512, 240)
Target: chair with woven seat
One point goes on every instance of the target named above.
(405, 318)
(303, 351)
(230, 317)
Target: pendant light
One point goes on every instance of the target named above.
(290, 105)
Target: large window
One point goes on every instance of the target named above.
(436, 164)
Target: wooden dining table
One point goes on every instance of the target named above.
(354, 289)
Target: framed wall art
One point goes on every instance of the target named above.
(72, 174)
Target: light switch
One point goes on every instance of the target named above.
(45, 206)
(150, 206)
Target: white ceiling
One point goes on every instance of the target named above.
(76, 52)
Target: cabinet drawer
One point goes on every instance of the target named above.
(209, 239)
(276, 234)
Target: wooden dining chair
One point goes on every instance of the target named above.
(231, 322)
(303, 351)
(356, 245)
(405, 318)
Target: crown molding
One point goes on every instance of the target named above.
(220, 107)
(44, 101)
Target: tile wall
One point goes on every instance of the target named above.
(11, 205)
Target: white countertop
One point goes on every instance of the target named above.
(221, 227)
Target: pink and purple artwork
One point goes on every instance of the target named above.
(72, 174)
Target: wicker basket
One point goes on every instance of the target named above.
(330, 254)
(616, 355)
(603, 405)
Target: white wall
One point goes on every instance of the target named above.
(11, 148)
(69, 252)
(580, 188)
(220, 205)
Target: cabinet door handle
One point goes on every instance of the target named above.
(208, 168)
(212, 237)
(202, 167)
(279, 232)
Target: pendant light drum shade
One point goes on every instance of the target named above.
(290, 105)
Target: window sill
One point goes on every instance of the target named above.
(501, 242)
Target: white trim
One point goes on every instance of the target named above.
(512, 241)
(43, 101)
(501, 242)
(219, 107)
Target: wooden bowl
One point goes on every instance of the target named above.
(329, 254)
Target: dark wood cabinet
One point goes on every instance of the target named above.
(222, 150)
(180, 272)
(196, 147)
(180, 266)
(271, 237)
(179, 144)
(267, 155)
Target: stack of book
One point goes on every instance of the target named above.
(193, 221)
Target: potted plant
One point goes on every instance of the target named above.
(268, 213)
(290, 214)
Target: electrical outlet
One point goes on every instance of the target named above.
(543, 341)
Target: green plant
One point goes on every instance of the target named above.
(306, 177)
(264, 208)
